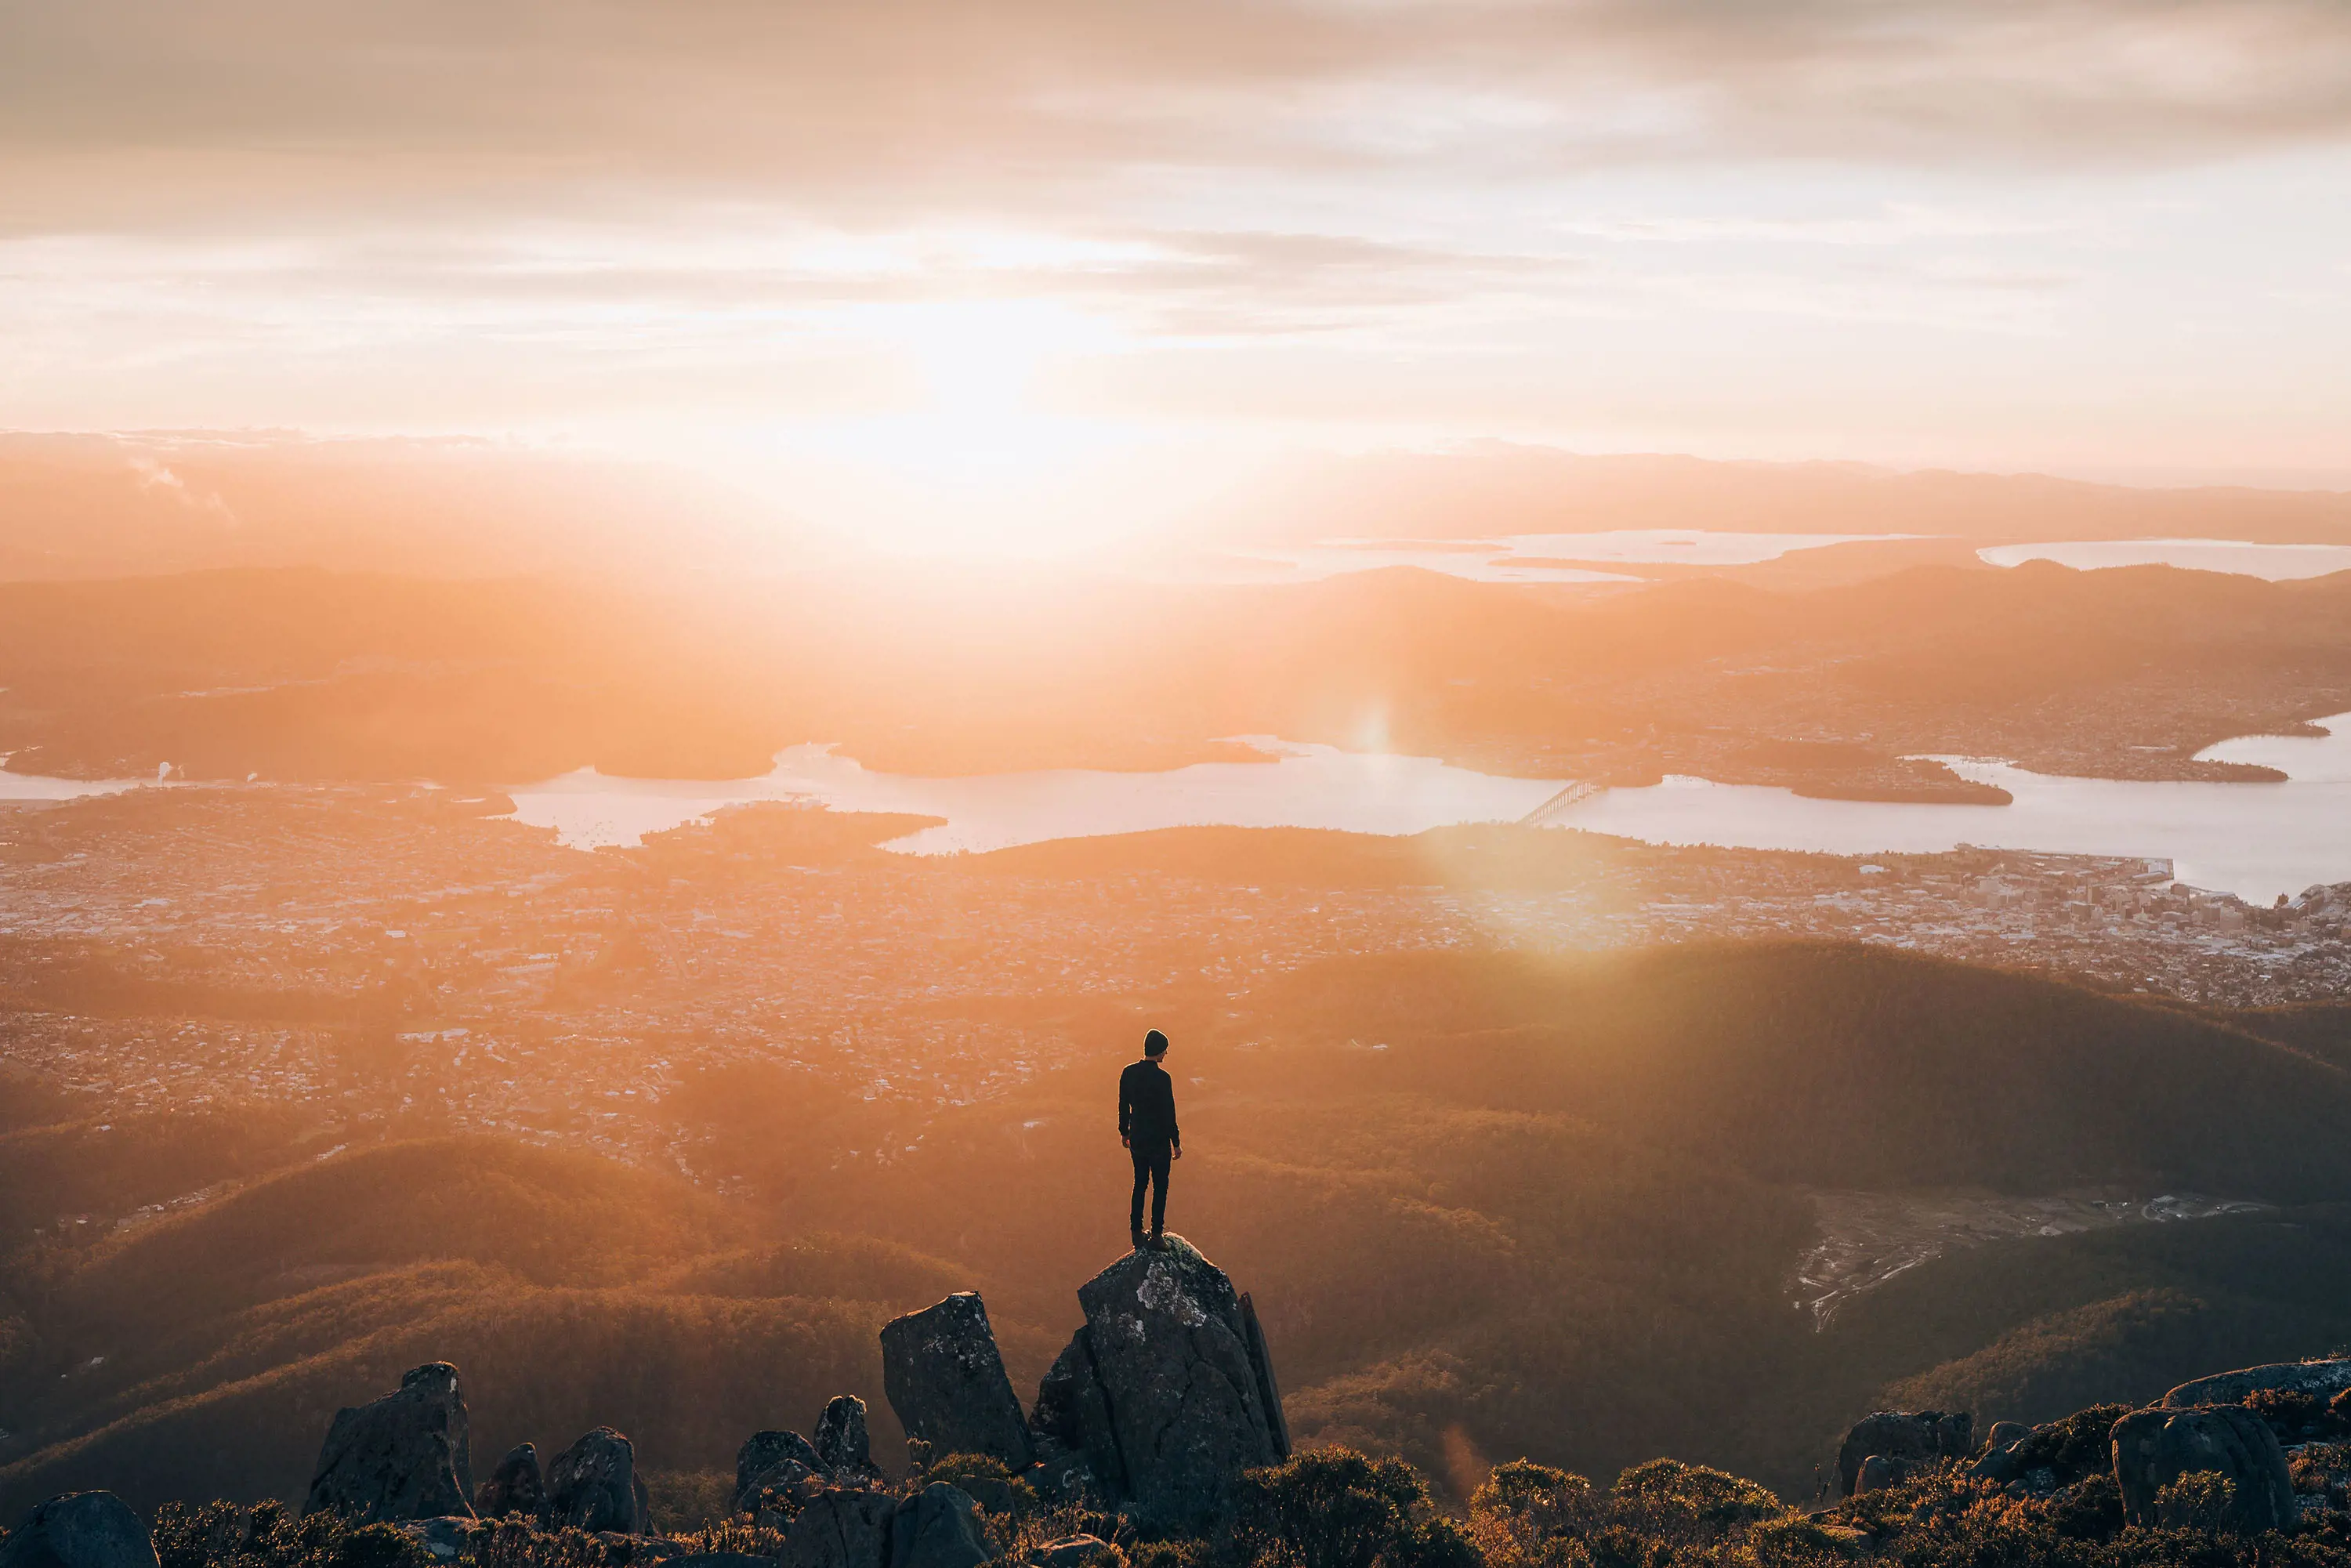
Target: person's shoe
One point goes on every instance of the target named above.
(1138, 1240)
(1158, 1242)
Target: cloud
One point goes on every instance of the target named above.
(153, 479)
(119, 112)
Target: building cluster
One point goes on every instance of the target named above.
(355, 958)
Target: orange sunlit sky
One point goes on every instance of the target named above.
(1028, 270)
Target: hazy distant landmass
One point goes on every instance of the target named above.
(1838, 691)
(92, 506)
(81, 506)
(1492, 488)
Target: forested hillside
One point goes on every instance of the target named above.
(1489, 1204)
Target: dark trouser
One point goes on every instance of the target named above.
(1150, 1163)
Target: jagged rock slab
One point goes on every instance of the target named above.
(945, 1379)
(1169, 1350)
(405, 1455)
(843, 1446)
(79, 1530)
(1906, 1439)
(841, 1529)
(2322, 1380)
(593, 1485)
(516, 1487)
(1268, 1389)
(938, 1527)
(2156, 1447)
(1076, 1442)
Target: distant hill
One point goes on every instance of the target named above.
(551, 1216)
(202, 1354)
(298, 673)
(303, 673)
(1850, 1065)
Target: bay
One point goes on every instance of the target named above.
(2254, 840)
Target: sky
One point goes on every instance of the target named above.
(1039, 268)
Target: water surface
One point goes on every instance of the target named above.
(39, 786)
(2254, 840)
(1298, 787)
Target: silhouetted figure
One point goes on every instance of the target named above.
(1146, 1126)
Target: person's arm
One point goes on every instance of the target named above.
(1174, 1133)
(1125, 1112)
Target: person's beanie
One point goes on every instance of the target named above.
(1155, 1043)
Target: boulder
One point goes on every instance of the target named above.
(994, 1494)
(938, 1527)
(771, 1459)
(403, 1457)
(445, 1538)
(79, 1530)
(843, 1446)
(2154, 1447)
(2003, 1433)
(1070, 1552)
(1908, 1439)
(1166, 1348)
(945, 1378)
(593, 1485)
(2322, 1380)
(1876, 1473)
(516, 1487)
(841, 1528)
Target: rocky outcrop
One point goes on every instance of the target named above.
(2156, 1447)
(1906, 1439)
(1268, 1389)
(1077, 1448)
(842, 1528)
(515, 1489)
(403, 1457)
(593, 1485)
(843, 1449)
(938, 1527)
(2322, 1380)
(1168, 1392)
(79, 1530)
(783, 1460)
(943, 1376)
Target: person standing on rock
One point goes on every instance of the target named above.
(1146, 1126)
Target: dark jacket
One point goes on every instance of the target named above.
(1146, 1106)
